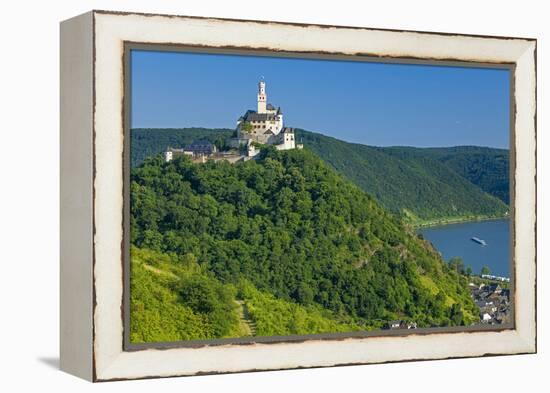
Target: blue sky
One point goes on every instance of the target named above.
(371, 103)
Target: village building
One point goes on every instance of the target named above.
(399, 324)
(393, 324)
(199, 151)
(493, 302)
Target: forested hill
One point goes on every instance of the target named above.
(284, 232)
(486, 167)
(423, 185)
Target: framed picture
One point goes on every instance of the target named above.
(248, 195)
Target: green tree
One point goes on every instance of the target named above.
(456, 315)
(485, 270)
(198, 294)
(246, 127)
(457, 264)
(294, 228)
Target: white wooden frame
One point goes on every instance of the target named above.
(92, 90)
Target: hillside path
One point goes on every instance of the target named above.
(247, 325)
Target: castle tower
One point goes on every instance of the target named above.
(262, 98)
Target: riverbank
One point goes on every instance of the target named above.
(453, 220)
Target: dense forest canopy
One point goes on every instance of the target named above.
(486, 167)
(285, 232)
(420, 184)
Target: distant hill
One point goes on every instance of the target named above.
(280, 245)
(424, 185)
(486, 167)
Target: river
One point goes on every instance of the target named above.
(454, 240)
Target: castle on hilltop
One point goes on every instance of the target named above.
(263, 126)
(255, 128)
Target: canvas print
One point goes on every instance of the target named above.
(284, 196)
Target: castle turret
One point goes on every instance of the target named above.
(264, 126)
(262, 97)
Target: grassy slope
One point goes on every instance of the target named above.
(158, 313)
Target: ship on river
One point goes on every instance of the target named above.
(479, 241)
